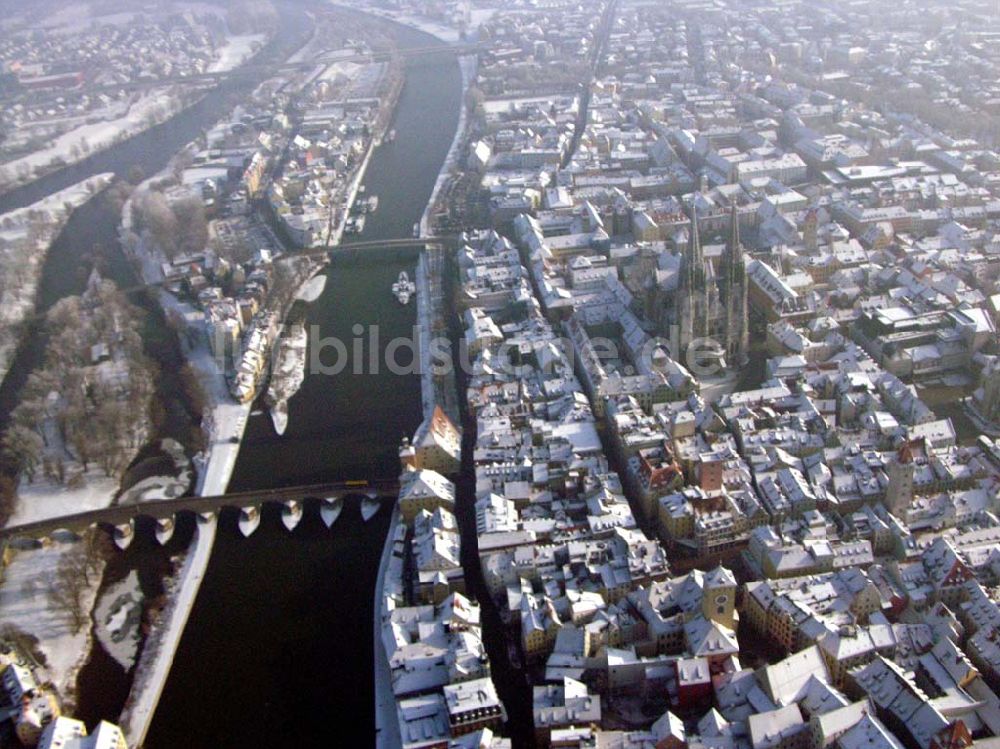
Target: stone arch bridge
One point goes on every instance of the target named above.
(119, 520)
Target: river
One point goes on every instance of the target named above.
(349, 426)
(278, 648)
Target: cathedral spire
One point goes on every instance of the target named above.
(734, 231)
(695, 259)
(695, 239)
(735, 280)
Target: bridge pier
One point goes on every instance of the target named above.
(164, 529)
(64, 534)
(330, 509)
(291, 514)
(119, 520)
(124, 533)
(249, 519)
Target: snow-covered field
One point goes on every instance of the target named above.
(118, 617)
(448, 34)
(339, 70)
(168, 486)
(46, 499)
(25, 604)
(146, 110)
(237, 50)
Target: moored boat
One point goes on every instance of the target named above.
(287, 374)
(403, 288)
(279, 416)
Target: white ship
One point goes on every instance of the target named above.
(369, 507)
(403, 288)
(249, 520)
(287, 373)
(279, 416)
(372, 205)
(291, 514)
(330, 510)
(391, 136)
(354, 225)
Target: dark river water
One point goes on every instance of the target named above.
(278, 648)
(349, 425)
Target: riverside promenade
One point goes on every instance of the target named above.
(386, 723)
(151, 675)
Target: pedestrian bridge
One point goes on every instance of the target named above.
(119, 520)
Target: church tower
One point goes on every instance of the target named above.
(736, 328)
(990, 402)
(692, 297)
(810, 228)
(899, 492)
(718, 601)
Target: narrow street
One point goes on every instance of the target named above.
(512, 683)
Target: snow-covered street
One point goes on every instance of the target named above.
(155, 665)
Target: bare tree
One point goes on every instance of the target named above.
(68, 587)
(154, 213)
(191, 223)
(23, 448)
(97, 549)
(8, 497)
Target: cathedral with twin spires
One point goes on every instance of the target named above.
(711, 303)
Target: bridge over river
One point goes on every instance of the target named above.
(120, 519)
(452, 241)
(447, 241)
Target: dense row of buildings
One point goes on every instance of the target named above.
(33, 708)
(81, 80)
(733, 372)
